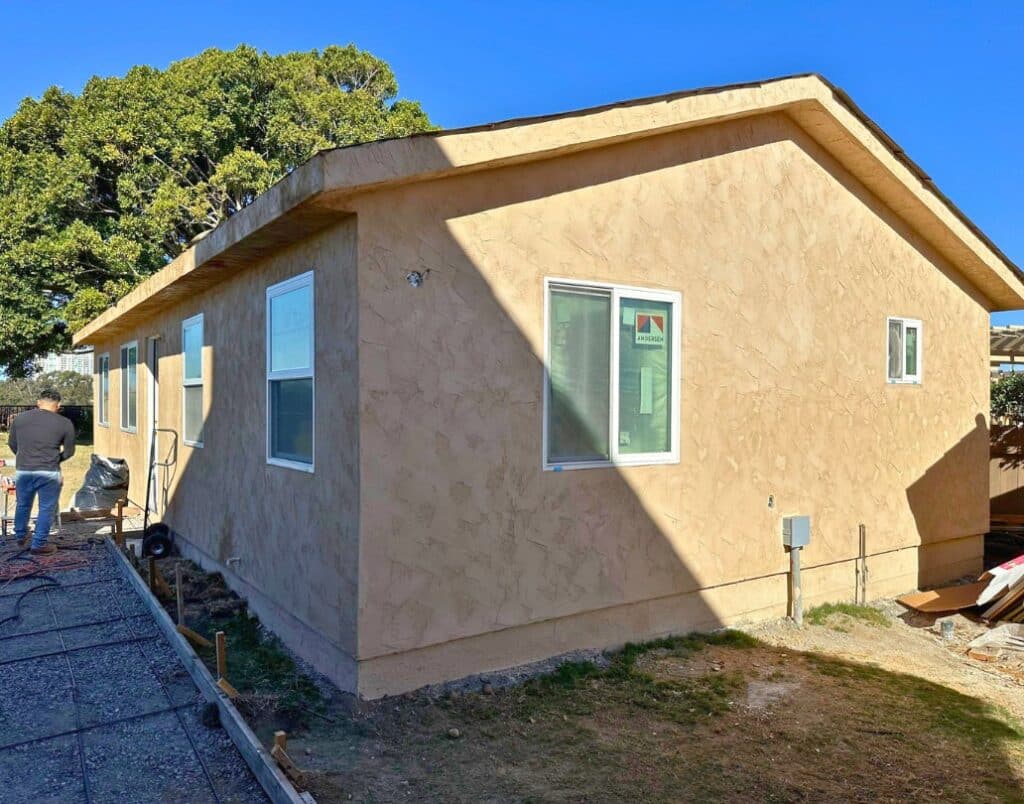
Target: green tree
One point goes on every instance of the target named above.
(74, 388)
(101, 189)
(1007, 399)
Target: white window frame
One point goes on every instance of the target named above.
(616, 292)
(192, 383)
(103, 406)
(905, 379)
(123, 389)
(295, 283)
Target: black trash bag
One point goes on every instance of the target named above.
(105, 483)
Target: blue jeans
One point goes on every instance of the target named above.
(27, 485)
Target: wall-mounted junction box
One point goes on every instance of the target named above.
(796, 531)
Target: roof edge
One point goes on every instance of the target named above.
(321, 188)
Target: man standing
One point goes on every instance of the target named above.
(41, 439)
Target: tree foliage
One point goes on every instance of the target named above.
(101, 189)
(1007, 399)
(74, 388)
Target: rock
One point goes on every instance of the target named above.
(487, 688)
(454, 734)
(210, 716)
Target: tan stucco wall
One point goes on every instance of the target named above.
(473, 558)
(295, 533)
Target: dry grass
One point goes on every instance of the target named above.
(73, 470)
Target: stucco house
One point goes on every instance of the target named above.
(465, 400)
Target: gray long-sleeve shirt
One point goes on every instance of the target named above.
(41, 440)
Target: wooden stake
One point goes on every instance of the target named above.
(228, 690)
(152, 575)
(279, 751)
(180, 593)
(194, 638)
(222, 654)
(119, 525)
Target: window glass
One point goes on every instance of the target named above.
(290, 329)
(579, 356)
(193, 421)
(291, 420)
(104, 371)
(645, 376)
(129, 386)
(895, 350)
(910, 335)
(192, 346)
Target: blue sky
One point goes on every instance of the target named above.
(945, 80)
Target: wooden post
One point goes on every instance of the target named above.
(180, 593)
(279, 751)
(222, 654)
(119, 525)
(152, 574)
(222, 666)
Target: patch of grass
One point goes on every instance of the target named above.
(579, 688)
(260, 668)
(820, 615)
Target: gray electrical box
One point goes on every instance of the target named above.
(796, 531)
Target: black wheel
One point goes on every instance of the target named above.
(157, 540)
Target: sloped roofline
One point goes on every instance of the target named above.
(321, 190)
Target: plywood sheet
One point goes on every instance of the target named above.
(950, 598)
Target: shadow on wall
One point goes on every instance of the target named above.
(940, 515)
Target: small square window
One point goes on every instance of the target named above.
(904, 350)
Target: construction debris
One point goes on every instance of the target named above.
(1000, 590)
(950, 598)
(1009, 636)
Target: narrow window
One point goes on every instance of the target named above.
(904, 351)
(192, 381)
(612, 376)
(290, 373)
(103, 395)
(129, 386)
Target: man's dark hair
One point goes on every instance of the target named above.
(50, 395)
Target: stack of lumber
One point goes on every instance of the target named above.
(1003, 598)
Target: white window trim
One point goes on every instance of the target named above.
(102, 361)
(617, 459)
(191, 383)
(906, 379)
(296, 282)
(122, 396)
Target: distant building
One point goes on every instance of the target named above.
(79, 361)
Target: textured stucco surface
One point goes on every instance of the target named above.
(295, 533)
(472, 556)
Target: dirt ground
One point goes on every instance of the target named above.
(867, 706)
(844, 711)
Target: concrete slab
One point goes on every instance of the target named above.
(96, 705)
